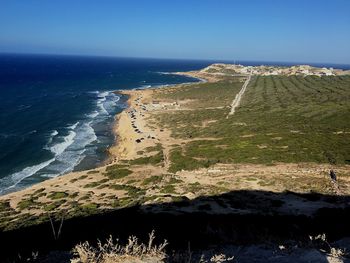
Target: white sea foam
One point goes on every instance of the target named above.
(103, 94)
(68, 150)
(111, 102)
(59, 148)
(14, 179)
(165, 73)
(54, 133)
(143, 87)
(102, 108)
(106, 102)
(72, 127)
(74, 154)
(100, 102)
(93, 115)
(86, 135)
(66, 162)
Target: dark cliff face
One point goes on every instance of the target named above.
(201, 229)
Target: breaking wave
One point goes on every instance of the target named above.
(69, 145)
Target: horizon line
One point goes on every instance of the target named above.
(169, 58)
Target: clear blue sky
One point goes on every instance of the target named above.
(264, 30)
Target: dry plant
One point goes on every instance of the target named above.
(220, 258)
(113, 252)
(335, 252)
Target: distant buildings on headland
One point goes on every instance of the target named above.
(304, 70)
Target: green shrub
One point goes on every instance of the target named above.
(54, 205)
(117, 173)
(95, 184)
(57, 195)
(26, 204)
(152, 160)
(4, 205)
(168, 189)
(93, 172)
(157, 148)
(132, 190)
(181, 162)
(115, 167)
(152, 180)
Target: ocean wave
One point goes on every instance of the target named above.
(8, 135)
(67, 149)
(92, 115)
(65, 163)
(100, 102)
(82, 134)
(59, 148)
(68, 159)
(143, 87)
(110, 104)
(106, 102)
(14, 179)
(102, 108)
(165, 73)
(72, 127)
(103, 94)
(23, 107)
(54, 133)
(86, 135)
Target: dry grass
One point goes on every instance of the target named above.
(135, 252)
(114, 252)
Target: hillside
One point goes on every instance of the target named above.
(180, 151)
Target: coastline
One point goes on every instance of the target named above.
(124, 146)
(142, 155)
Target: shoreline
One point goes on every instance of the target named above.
(135, 136)
(122, 147)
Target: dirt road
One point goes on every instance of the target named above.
(237, 100)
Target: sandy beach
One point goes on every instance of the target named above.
(130, 128)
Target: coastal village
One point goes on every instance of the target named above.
(263, 70)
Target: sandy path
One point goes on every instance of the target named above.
(235, 103)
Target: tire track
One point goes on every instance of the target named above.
(235, 103)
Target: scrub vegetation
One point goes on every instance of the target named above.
(288, 119)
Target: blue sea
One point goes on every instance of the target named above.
(57, 112)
